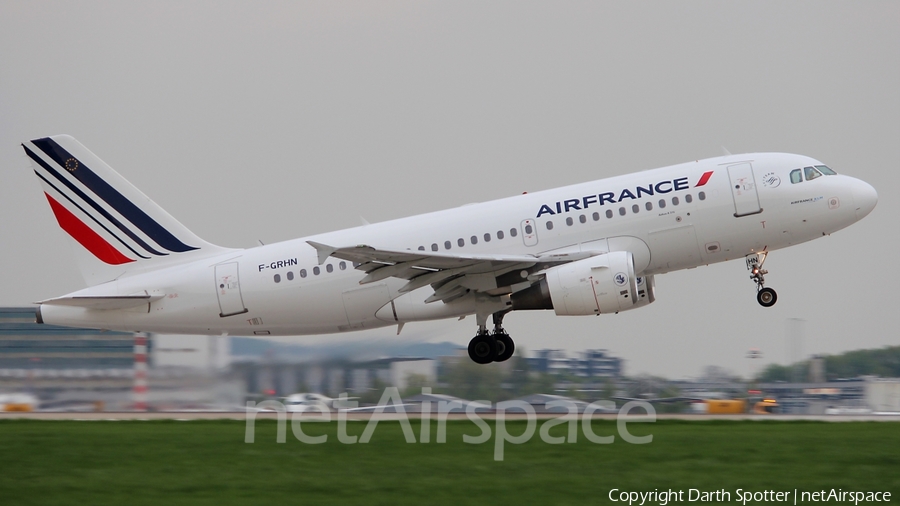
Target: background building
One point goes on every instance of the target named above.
(590, 364)
(71, 368)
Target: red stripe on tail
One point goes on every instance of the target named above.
(85, 236)
(704, 178)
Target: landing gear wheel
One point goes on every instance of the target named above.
(766, 297)
(505, 347)
(483, 349)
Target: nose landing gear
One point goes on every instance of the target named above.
(495, 346)
(765, 296)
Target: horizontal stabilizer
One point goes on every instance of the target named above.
(102, 301)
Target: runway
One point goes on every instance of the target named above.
(238, 415)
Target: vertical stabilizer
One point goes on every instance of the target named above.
(116, 227)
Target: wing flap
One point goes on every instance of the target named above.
(450, 274)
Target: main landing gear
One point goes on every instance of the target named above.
(765, 296)
(496, 346)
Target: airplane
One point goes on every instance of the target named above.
(585, 249)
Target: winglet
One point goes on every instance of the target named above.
(323, 250)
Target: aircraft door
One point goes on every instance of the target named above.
(228, 289)
(529, 232)
(743, 189)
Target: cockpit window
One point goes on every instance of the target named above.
(825, 170)
(811, 173)
(797, 176)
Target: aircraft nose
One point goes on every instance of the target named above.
(865, 198)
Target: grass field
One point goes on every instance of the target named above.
(207, 462)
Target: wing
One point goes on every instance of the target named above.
(451, 275)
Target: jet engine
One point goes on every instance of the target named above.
(602, 284)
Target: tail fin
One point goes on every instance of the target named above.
(118, 228)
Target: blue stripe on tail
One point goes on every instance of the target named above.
(103, 212)
(111, 196)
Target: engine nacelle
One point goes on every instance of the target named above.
(646, 287)
(596, 285)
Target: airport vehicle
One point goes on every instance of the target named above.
(18, 402)
(302, 402)
(766, 406)
(586, 249)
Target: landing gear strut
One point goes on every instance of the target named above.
(495, 346)
(765, 296)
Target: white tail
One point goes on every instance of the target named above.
(118, 228)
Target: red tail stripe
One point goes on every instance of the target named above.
(85, 236)
(704, 178)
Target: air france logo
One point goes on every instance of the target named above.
(600, 199)
(770, 180)
(621, 279)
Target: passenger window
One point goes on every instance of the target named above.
(316, 270)
(278, 278)
(290, 275)
(343, 265)
(662, 203)
(796, 176)
(649, 206)
(609, 213)
(447, 245)
(811, 173)
(622, 211)
(474, 239)
(688, 198)
(635, 208)
(582, 218)
(487, 237)
(596, 216)
(461, 242)
(302, 273)
(569, 221)
(701, 195)
(434, 247)
(513, 232)
(549, 225)
(500, 234)
(674, 201)
(329, 268)
(421, 248)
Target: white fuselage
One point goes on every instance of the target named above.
(748, 204)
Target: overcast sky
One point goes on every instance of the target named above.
(273, 120)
